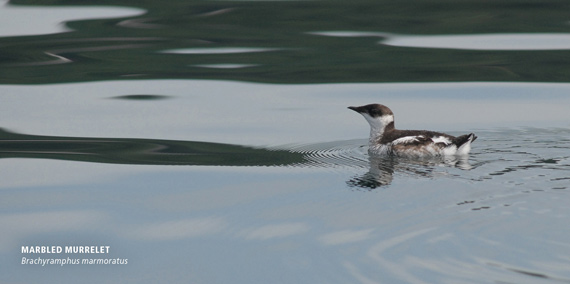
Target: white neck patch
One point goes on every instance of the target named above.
(377, 125)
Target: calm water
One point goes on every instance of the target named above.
(161, 131)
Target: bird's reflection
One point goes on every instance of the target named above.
(380, 173)
(382, 169)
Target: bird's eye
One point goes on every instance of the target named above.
(375, 112)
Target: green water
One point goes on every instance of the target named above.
(132, 48)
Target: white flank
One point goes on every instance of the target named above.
(449, 150)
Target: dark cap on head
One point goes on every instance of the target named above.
(374, 110)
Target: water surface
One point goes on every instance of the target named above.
(323, 211)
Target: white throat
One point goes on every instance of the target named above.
(377, 126)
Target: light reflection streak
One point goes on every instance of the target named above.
(515, 41)
(15, 19)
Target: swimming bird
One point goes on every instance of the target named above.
(386, 139)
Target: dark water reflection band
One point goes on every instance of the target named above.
(141, 151)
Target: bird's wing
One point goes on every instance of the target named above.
(417, 140)
(411, 140)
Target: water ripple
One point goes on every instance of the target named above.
(343, 154)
